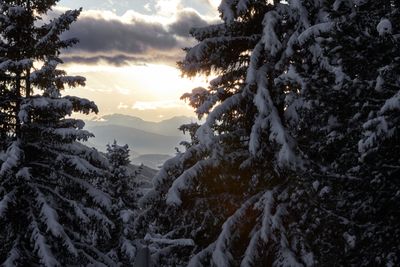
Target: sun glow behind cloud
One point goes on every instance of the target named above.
(154, 81)
(134, 89)
(128, 57)
(215, 3)
(154, 105)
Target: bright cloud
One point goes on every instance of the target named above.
(153, 105)
(122, 106)
(167, 7)
(128, 52)
(144, 90)
(215, 3)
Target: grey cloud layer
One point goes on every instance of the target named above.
(118, 43)
(118, 59)
(99, 35)
(186, 20)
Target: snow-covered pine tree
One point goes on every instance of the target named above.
(5, 118)
(229, 191)
(354, 122)
(298, 157)
(50, 213)
(123, 188)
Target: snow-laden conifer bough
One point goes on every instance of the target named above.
(297, 162)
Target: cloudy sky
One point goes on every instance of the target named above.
(128, 52)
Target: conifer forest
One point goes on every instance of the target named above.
(294, 159)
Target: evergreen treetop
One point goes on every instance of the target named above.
(51, 214)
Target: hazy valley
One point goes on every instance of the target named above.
(151, 143)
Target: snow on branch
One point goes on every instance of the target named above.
(374, 130)
(285, 256)
(242, 6)
(202, 33)
(76, 148)
(168, 241)
(293, 99)
(384, 27)
(270, 38)
(50, 217)
(267, 201)
(99, 257)
(82, 105)
(391, 104)
(71, 81)
(292, 41)
(6, 201)
(221, 256)
(163, 174)
(159, 180)
(96, 214)
(195, 261)
(268, 119)
(20, 64)
(41, 247)
(44, 104)
(13, 255)
(200, 51)
(56, 26)
(290, 77)
(16, 10)
(252, 251)
(128, 248)
(70, 134)
(226, 11)
(324, 63)
(380, 127)
(294, 103)
(171, 169)
(251, 74)
(272, 229)
(14, 156)
(301, 10)
(77, 207)
(81, 165)
(202, 100)
(205, 133)
(315, 31)
(98, 196)
(184, 181)
(24, 173)
(48, 75)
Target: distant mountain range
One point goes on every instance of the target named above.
(167, 127)
(152, 160)
(151, 143)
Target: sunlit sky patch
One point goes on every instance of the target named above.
(128, 52)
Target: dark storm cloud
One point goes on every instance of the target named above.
(117, 43)
(120, 60)
(106, 36)
(186, 20)
(117, 60)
